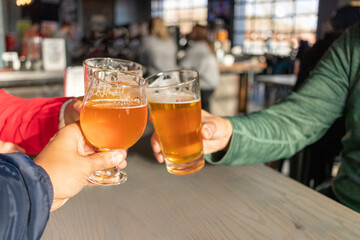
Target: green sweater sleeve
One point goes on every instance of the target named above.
(302, 118)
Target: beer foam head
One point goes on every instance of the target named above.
(173, 86)
(109, 84)
(166, 97)
(161, 83)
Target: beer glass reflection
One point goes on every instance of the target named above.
(95, 64)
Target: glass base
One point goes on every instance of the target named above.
(185, 168)
(106, 177)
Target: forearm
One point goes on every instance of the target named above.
(272, 134)
(301, 119)
(29, 123)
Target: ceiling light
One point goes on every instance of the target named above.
(23, 2)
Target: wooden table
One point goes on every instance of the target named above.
(245, 70)
(277, 86)
(219, 202)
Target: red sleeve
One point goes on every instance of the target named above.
(29, 123)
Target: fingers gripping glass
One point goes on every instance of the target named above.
(113, 116)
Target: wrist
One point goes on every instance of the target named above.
(44, 177)
(62, 120)
(228, 133)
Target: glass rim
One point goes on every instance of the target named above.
(195, 78)
(117, 59)
(119, 84)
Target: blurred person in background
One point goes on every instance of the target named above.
(158, 51)
(303, 47)
(33, 31)
(343, 18)
(64, 33)
(200, 56)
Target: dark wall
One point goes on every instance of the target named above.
(132, 11)
(326, 9)
(12, 14)
(117, 12)
(40, 10)
(223, 9)
(96, 7)
(143, 10)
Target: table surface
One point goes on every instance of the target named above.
(219, 202)
(287, 80)
(240, 67)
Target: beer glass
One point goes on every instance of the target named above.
(175, 109)
(94, 64)
(113, 116)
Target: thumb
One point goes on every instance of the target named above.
(77, 104)
(208, 130)
(104, 160)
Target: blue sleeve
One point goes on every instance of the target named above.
(26, 195)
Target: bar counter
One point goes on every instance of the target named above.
(219, 202)
(23, 78)
(30, 84)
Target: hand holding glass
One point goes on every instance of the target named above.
(113, 116)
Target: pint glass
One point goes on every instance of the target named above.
(175, 109)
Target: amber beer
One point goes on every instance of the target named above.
(86, 78)
(177, 125)
(86, 86)
(113, 124)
